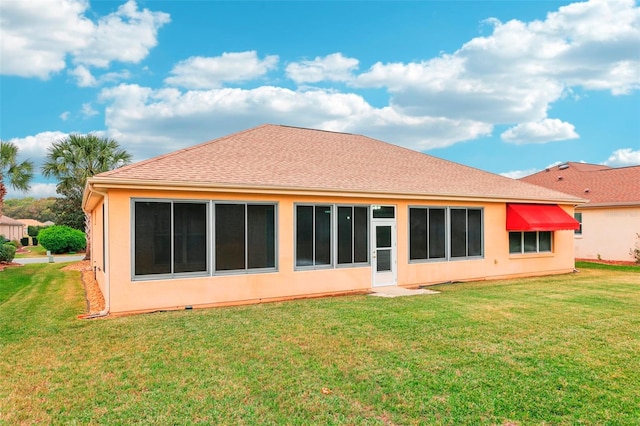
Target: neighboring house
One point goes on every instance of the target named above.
(11, 228)
(277, 212)
(610, 221)
(30, 222)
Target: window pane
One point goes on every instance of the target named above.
(544, 241)
(360, 234)
(384, 212)
(474, 225)
(261, 236)
(152, 238)
(230, 247)
(530, 242)
(304, 235)
(437, 234)
(417, 234)
(458, 232)
(189, 237)
(384, 260)
(578, 217)
(383, 236)
(345, 235)
(515, 242)
(323, 235)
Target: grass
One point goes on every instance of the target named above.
(39, 251)
(554, 350)
(34, 251)
(596, 265)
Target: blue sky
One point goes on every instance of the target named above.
(510, 87)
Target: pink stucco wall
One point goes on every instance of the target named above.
(127, 295)
(608, 233)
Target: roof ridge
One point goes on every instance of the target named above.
(317, 130)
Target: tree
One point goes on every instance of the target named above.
(41, 209)
(74, 159)
(18, 175)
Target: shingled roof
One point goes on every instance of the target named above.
(601, 185)
(292, 158)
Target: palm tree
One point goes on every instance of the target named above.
(74, 159)
(18, 175)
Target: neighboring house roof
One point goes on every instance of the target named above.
(48, 223)
(275, 157)
(6, 220)
(31, 222)
(601, 185)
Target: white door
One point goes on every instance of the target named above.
(383, 254)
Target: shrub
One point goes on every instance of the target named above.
(635, 252)
(7, 252)
(3, 239)
(62, 239)
(13, 243)
(33, 231)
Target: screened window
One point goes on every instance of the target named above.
(169, 237)
(427, 233)
(313, 235)
(322, 240)
(352, 233)
(434, 230)
(178, 237)
(244, 236)
(530, 242)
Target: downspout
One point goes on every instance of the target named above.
(107, 270)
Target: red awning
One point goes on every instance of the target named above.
(538, 217)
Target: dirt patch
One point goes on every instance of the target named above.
(95, 299)
(4, 265)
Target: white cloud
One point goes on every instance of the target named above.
(34, 148)
(334, 67)
(83, 76)
(38, 35)
(148, 122)
(64, 116)
(36, 190)
(199, 72)
(517, 174)
(623, 157)
(547, 130)
(517, 72)
(88, 111)
(126, 35)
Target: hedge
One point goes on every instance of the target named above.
(62, 239)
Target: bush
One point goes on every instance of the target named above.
(13, 243)
(7, 252)
(3, 239)
(62, 239)
(33, 231)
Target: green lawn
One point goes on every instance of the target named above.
(560, 350)
(38, 251)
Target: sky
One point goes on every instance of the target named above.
(510, 87)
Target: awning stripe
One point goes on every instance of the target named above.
(539, 217)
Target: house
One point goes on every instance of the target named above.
(278, 212)
(29, 222)
(610, 221)
(11, 228)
